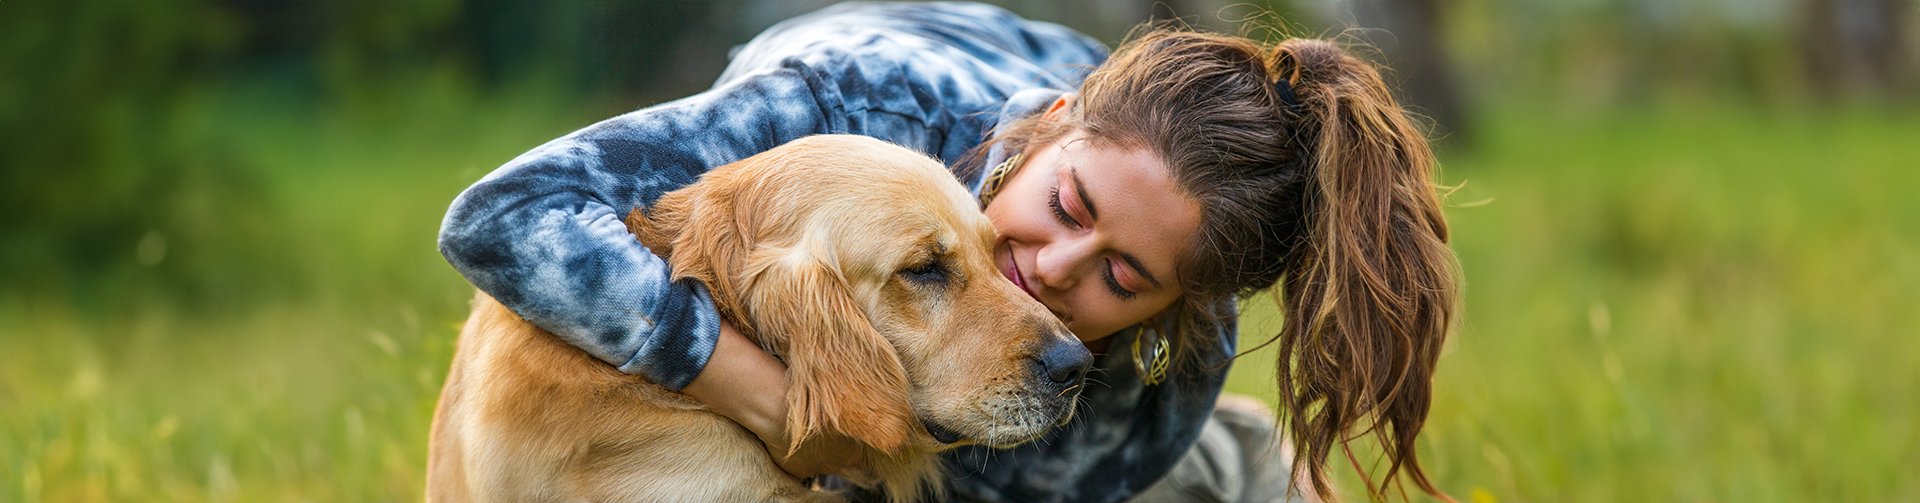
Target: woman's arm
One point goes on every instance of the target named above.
(544, 235)
(749, 386)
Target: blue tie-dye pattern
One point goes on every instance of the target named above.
(543, 233)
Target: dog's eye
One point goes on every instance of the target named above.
(930, 272)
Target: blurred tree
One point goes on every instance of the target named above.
(99, 171)
(1857, 46)
(635, 49)
(1411, 36)
(109, 160)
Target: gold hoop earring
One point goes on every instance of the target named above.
(998, 178)
(1155, 372)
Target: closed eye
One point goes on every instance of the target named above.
(931, 272)
(1108, 275)
(1113, 283)
(1060, 212)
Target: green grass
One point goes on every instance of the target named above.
(1683, 304)
(1669, 304)
(319, 382)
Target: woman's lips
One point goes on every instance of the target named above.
(1012, 272)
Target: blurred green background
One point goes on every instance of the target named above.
(1688, 229)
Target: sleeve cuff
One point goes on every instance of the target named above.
(681, 344)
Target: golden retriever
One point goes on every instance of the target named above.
(863, 265)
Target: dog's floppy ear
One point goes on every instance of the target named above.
(845, 377)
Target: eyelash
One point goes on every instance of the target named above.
(1113, 284)
(1060, 213)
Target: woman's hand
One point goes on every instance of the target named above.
(749, 386)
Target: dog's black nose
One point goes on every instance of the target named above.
(1065, 361)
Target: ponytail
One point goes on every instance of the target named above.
(1369, 294)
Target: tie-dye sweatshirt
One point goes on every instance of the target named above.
(543, 234)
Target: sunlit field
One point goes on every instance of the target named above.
(1691, 303)
(1671, 302)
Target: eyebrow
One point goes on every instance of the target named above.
(1081, 189)
(1135, 262)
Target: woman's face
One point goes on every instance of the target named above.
(1094, 232)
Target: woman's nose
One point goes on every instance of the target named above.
(1058, 264)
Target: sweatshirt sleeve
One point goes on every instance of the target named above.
(544, 233)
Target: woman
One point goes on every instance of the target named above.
(1137, 202)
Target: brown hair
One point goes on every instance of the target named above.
(1322, 185)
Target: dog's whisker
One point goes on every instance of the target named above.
(987, 459)
(1091, 380)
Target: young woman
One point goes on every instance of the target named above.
(1137, 201)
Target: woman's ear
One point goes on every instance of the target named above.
(1060, 107)
(843, 376)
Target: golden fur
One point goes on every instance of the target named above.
(824, 251)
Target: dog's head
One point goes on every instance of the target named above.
(868, 269)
